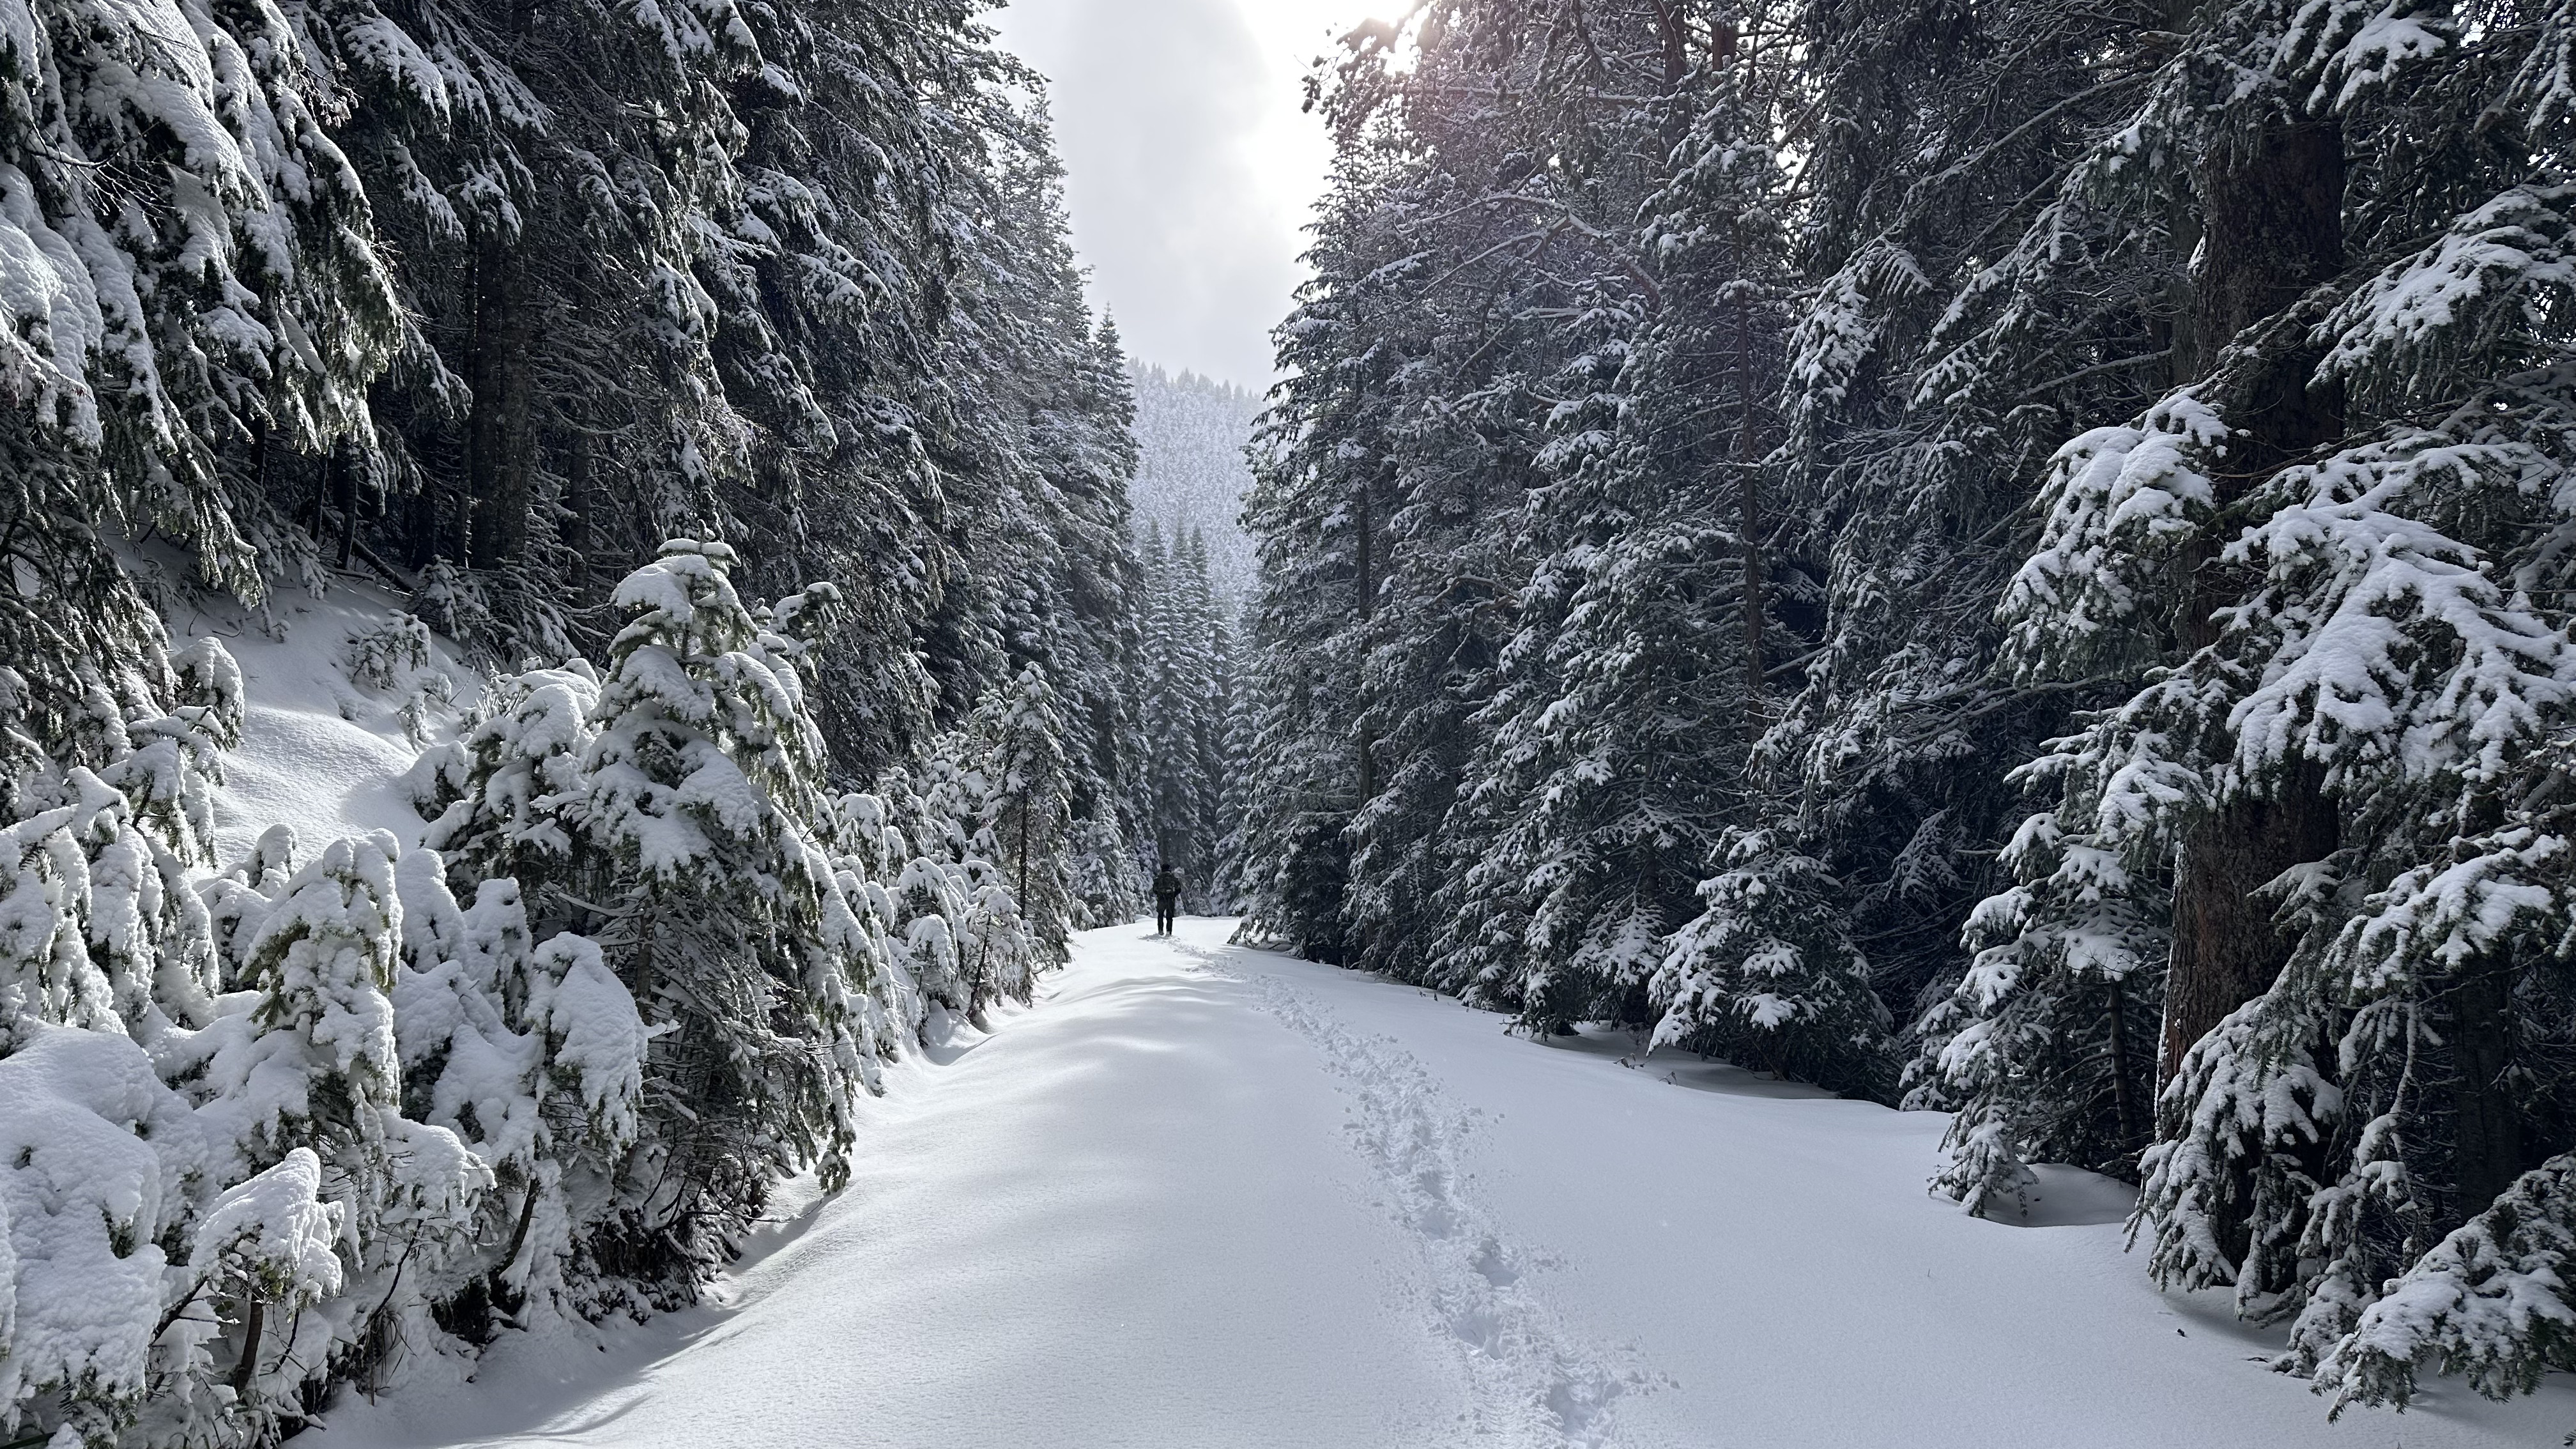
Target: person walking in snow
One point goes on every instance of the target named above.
(1167, 900)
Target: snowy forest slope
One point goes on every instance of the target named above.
(1192, 472)
(568, 600)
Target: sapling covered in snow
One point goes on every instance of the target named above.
(1020, 775)
(953, 918)
(381, 657)
(2045, 1048)
(305, 1059)
(533, 1056)
(99, 924)
(1767, 977)
(268, 1248)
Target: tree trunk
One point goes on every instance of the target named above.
(1368, 616)
(1745, 452)
(497, 432)
(2272, 199)
(578, 505)
(1673, 29)
(2123, 1096)
(420, 526)
(248, 1368)
(344, 466)
(2487, 1124)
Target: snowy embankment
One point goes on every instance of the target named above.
(321, 753)
(1200, 1196)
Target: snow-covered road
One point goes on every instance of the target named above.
(1202, 1197)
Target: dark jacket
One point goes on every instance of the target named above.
(1166, 885)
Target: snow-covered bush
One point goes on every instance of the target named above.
(670, 810)
(96, 1161)
(382, 657)
(1766, 977)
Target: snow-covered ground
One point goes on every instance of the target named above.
(1204, 1197)
(320, 752)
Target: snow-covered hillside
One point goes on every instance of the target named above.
(1204, 1196)
(321, 751)
(1191, 473)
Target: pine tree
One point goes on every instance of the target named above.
(1768, 976)
(1025, 787)
(2363, 633)
(683, 836)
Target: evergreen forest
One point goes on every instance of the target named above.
(2011, 559)
(2014, 561)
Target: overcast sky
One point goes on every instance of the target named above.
(1190, 168)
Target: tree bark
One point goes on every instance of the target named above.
(1368, 617)
(248, 1368)
(497, 433)
(2486, 1123)
(344, 467)
(2272, 210)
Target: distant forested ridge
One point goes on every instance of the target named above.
(2008, 559)
(1193, 472)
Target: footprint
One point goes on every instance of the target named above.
(1534, 1382)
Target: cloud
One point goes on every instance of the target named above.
(1190, 169)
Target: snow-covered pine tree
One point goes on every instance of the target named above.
(1767, 975)
(533, 1054)
(198, 273)
(2336, 525)
(1930, 376)
(1025, 809)
(1161, 707)
(304, 1060)
(684, 838)
(833, 283)
(1475, 262)
(1311, 514)
(1636, 683)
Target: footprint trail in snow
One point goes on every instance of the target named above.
(1535, 1383)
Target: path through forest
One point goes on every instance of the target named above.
(1204, 1197)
